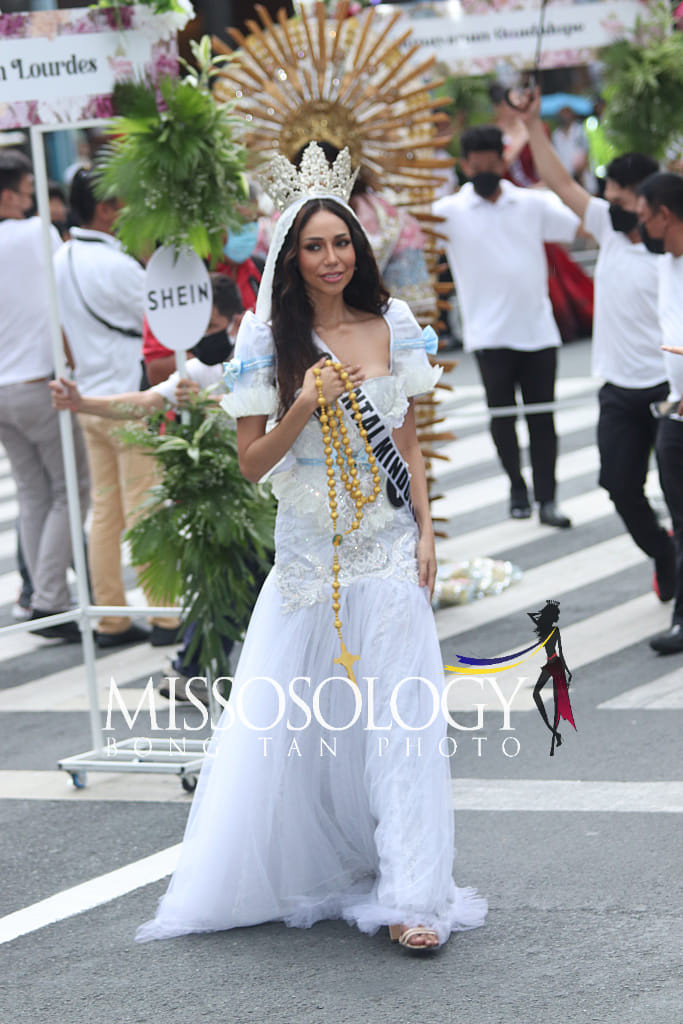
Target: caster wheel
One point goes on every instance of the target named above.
(189, 783)
(79, 779)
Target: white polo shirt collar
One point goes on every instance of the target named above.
(88, 235)
(509, 194)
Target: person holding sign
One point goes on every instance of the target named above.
(344, 618)
(202, 373)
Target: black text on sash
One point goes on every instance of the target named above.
(384, 449)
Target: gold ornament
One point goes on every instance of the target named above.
(356, 82)
(336, 441)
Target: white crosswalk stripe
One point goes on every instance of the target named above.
(620, 621)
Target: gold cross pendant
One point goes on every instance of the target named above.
(347, 659)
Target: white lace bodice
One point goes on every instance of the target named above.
(384, 544)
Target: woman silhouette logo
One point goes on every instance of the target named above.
(546, 628)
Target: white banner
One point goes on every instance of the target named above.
(472, 37)
(37, 69)
(60, 67)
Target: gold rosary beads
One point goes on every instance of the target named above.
(336, 439)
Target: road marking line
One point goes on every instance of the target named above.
(583, 643)
(468, 794)
(569, 795)
(93, 893)
(509, 534)
(67, 690)
(495, 489)
(478, 448)
(128, 787)
(663, 694)
(550, 580)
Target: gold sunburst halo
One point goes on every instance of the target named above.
(352, 82)
(356, 82)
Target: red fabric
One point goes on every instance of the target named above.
(247, 277)
(564, 708)
(151, 346)
(571, 294)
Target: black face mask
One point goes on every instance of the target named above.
(485, 183)
(655, 245)
(213, 348)
(623, 220)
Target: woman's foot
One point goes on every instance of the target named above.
(418, 938)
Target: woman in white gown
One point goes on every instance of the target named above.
(320, 798)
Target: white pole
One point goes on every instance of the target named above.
(66, 432)
(181, 367)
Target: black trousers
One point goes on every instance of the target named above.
(502, 370)
(627, 432)
(670, 457)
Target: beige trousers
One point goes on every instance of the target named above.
(121, 476)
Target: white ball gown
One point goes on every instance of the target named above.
(302, 813)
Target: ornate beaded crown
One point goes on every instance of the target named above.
(286, 183)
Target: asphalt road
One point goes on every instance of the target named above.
(578, 855)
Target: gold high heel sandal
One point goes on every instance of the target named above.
(403, 936)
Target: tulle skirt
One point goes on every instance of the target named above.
(319, 799)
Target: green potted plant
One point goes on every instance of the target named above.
(206, 536)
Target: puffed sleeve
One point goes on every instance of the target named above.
(250, 375)
(410, 346)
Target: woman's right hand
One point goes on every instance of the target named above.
(65, 395)
(332, 384)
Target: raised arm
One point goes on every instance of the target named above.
(259, 451)
(548, 164)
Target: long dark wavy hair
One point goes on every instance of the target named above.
(291, 309)
(545, 619)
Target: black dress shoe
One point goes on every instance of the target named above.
(67, 631)
(550, 515)
(133, 635)
(162, 637)
(520, 511)
(519, 503)
(670, 642)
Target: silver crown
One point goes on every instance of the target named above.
(285, 183)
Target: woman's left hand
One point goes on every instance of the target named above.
(426, 562)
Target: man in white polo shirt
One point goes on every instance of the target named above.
(29, 427)
(660, 206)
(495, 251)
(101, 306)
(626, 339)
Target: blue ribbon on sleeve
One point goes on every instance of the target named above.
(431, 340)
(428, 340)
(231, 371)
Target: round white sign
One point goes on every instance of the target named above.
(178, 297)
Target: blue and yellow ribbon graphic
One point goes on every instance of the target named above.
(470, 666)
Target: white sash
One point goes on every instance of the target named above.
(384, 449)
